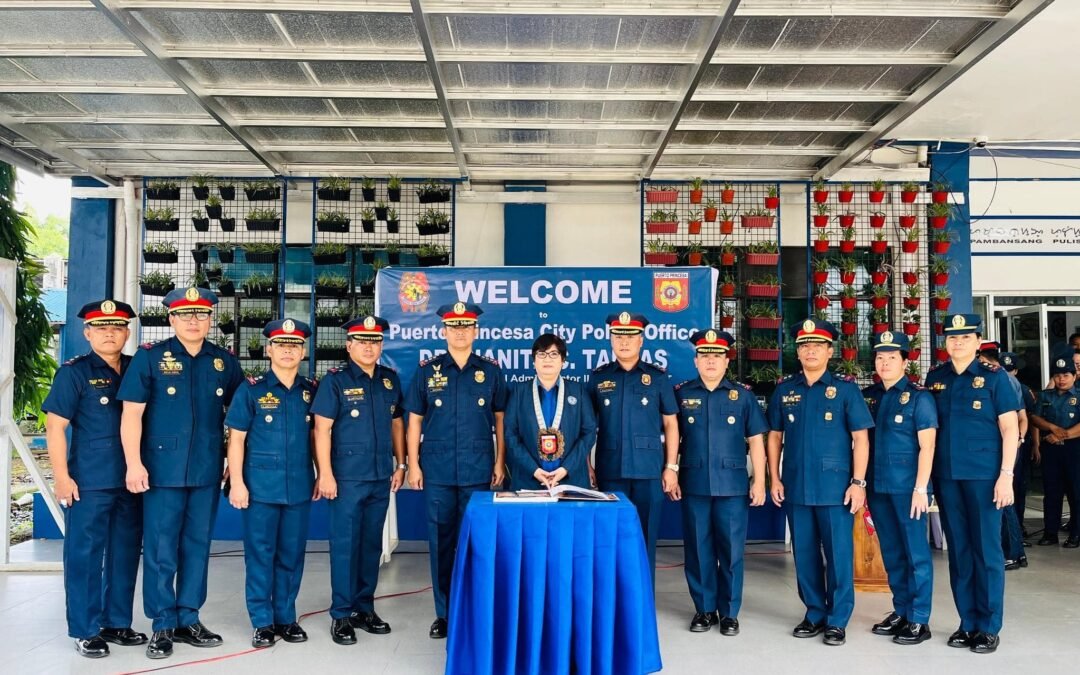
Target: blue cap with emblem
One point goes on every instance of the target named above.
(626, 323)
(367, 329)
(460, 314)
(106, 313)
(712, 341)
(1062, 363)
(287, 331)
(1010, 362)
(962, 324)
(813, 330)
(888, 341)
(190, 300)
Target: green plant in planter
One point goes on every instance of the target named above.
(432, 217)
(394, 183)
(880, 291)
(821, 314)
(367, 214)
(336, 312)
(761, 342)
(391, 215)
(694, 247)
(160, 247)
(727, 247)
(254, 343)
(659, 246)
(849, 292)
(327, 248)
(849, 316)
(156, 279)
(198, 214)
(392, 246)
(367, 183)
(914, 291)
(760, 310)
(763, 247)
(912, 234)
(226, 183)
(765, 280)
(263, 214)
(820, 186)
(940, 186)
(333, 218)
(941, 236)
(697, 182)
(822, 209)
(198, 279)
(848, 265)
(332, 281)
(848, 233)
(159, 214)
(940, 265)
(822, 265)
(213, 271)
(938, 210)
(879, 316)
(846, 187)
(213, 200)
(202, 179)
(335, 183)
(910, 186)
(154, 313)
(764, 374)
(260, 247)
(662, 216)
(773, 191)
(432, 250)
(849, 368)
(942, 294)
(163, 185)
(378, 264)
(259, 281)
(255, 314)
(877, 185)
(758, 212)
(224, 318)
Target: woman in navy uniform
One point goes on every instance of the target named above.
(822, 421)
(102, 520)
(550, 424)
(175, 393)
(973, 472)
(455, 440)
(717, 417)
(360, 452)
(901, 456)
(1057, 413)
(272, 480)
(638, 439)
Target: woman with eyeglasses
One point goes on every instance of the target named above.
(550, 424)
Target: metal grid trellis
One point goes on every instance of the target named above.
(731, 218)
(348, 216)
(209, 252)
(878, 231)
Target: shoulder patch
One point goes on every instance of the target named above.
(75, 359)
(603, 367)
(151, 345)
(679, 385)
(918, 387)
(785, 378)
(655, 367)
(743, 385)
(489, 360)
(844, 378)
(428, 361)
(333, 371)
(938, 366)
(989, 366)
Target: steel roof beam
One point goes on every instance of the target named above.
(57, 150)
(424, 31)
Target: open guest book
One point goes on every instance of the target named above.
(559, 493)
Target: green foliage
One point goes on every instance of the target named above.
(50, 235)
(34, 367)
(202, 179)
(213, 200)
(156, 279)
(392, 245)
(394, 183)
(433, 217)
(763, 247)
(334, 217)
(263, 214)
(432, 250)
(328, 280)
(328, 248)
(160, 247)
(335, 183)
(260, 247)
(159, 214)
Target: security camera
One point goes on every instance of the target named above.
(981, 141)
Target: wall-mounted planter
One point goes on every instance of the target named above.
(661, 196)
(260, 225)
(661, 227)
(170, 225)
(757, 221)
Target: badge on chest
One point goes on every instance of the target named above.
(437, 381)
(353, 394)
(168, 365)
(268, 401)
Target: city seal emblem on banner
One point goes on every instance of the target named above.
(414, 292)
(671, 291)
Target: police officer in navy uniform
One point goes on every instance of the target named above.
(717, 417)
(455, 440)
(1057, 415)
(175, 392)
(360, 452)
(638, 440)
(973, 472)
(822, 421)
(102, 520)
(1029, 449)
(273, 480)
(898, 483)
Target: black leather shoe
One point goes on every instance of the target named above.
(985, 643)
(1072, 542)
(342, 632)
(1023, 561)
(160, 644)
(125, 637)
(912, 634)
(291, 632)
(1012, 565)
(438, 629)
(263, 637)
(805, 629)
(369, 622)
(702, 622)
(890, 625)
(94, 648)
(729, 626)
(197, 635)
(1048, 541)
(960, 639)
(834, 636)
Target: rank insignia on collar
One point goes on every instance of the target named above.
(386, 382)
(733, 395)
(978, 382)
(479, 377)
(905, 397)
(219, 365)
(646, 379)
(830, 392)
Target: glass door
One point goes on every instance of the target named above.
(1027, 337)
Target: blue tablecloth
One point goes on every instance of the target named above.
(538, 587)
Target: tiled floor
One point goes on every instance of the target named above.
(1041, 635)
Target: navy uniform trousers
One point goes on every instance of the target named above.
(275, 536)
(973, 530)
(445, 511)
(714, 531)
(101, 560)
(179, 522)
(647, 496)
(1061, 476)
(905, 551)
(829, 598)
(356, 528)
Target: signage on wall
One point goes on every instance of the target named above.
(1021, 236)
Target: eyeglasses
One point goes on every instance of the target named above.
(542, 356)
(198, 316)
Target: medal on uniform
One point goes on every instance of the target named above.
(978, 382)
(830, 392)
(219, 365)
(550, 441)
(572, 400)
(438, 403)
(356, 413)
(790, 417)
(479, 377)
(733, 395)
(480, 402)
(646, 379)
(905, 397)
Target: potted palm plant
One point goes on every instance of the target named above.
(879, 320)
(880, 296)
(913, 371)
(727, 319)
(821, 192)
(915, 351)
(911, 322)
(161, 220)
(200, 185)
(877, 219)
(199, 220)
(225, 322)
(939, 192)
(912, 296)
(849, 349)
(254, 317)
(727, 194)
(332, 221)
(772, 198)
(262, 191)
(821, 242)
(334, 189)
(942, 240)
(849, 321)
(392, 222)
(367, 189)
(761, 348)
(263, 220)
(881, 274)
(727, 254)
(156, 283)
(255, 347)
(727, 222)
(694, 253)
(160, 252)
(260, 285)
(433, 222)
(907, 221)
(660, 252)
(821, 271)
(367, 220)
(393, 189)
(333, 315)
(330, 254)
(661, 194)
(381, 210)
(393, 251)
(939, 269)
(848, 297)
(431, 255)
(821, 300)
(877, 191)
(662, 222)
(163, 190)
(696, 191)
(879, 245)
(942, 299)
(151, 317)
(693, 223)
(226, 252)
(727, 286)
(938, 215)
(847, 219)
(848, 266)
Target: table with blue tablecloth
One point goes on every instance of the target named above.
(551, 588)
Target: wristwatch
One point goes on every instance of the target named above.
(400, 466)
(673, 467)
(1008, 472)
(858, 482)
(919, 490)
